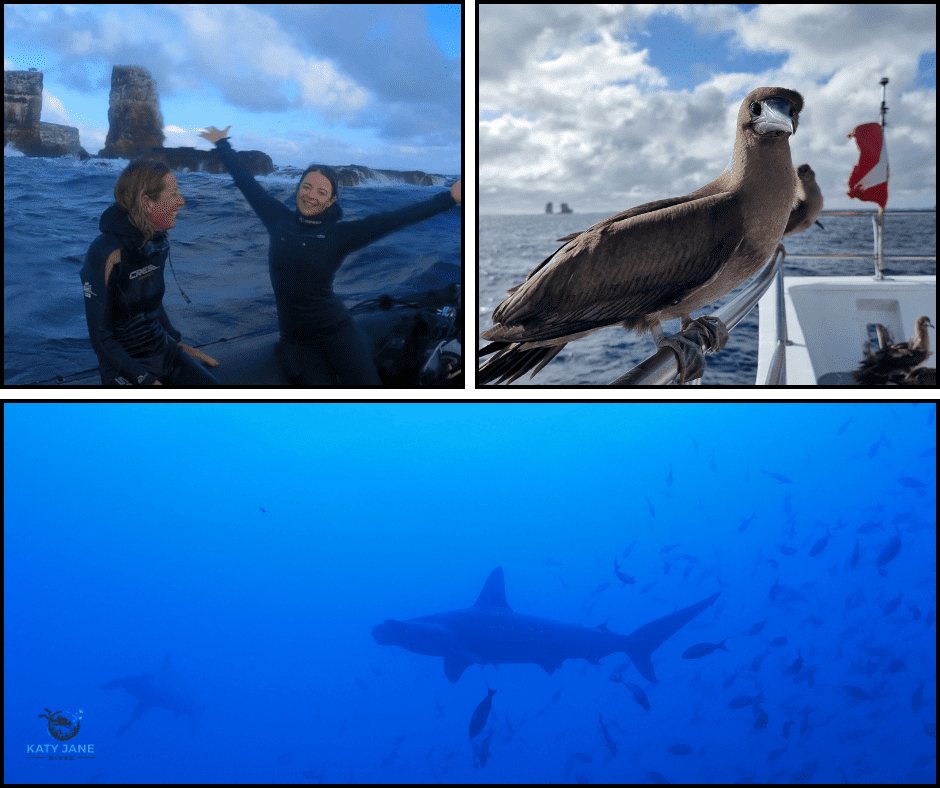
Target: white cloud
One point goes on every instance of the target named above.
(572, 107)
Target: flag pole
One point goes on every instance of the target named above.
(879, 271)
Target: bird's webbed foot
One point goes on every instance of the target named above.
(713, 331)
(704, 334)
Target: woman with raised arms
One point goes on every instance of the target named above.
(122, 277)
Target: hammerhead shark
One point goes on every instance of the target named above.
(491, 633)
(162, 689)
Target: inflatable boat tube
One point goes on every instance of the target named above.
(415, 329)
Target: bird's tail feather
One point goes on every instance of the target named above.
(511, 363)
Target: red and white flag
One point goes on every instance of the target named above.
(869, 178)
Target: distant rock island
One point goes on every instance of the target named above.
(355, 174)
(135, 130)
(22, 108)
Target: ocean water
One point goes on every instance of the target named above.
(807, 532)
(511, 246)
(51, 209)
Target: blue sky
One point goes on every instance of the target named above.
(368, 84)
(607, 107)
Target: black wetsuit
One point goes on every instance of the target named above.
(318, 335)
(130, 332)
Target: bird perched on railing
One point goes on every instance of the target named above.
(661, 260)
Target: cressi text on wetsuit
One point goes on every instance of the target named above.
(304, 254)
(130, 332)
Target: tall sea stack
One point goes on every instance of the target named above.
(135, 122)
(22, 108)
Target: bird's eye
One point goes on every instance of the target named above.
(755, 108)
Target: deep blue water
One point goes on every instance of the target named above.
(51, 209)
(132, 530)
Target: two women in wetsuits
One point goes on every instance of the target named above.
(123, 277)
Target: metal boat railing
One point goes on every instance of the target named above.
(662, 367)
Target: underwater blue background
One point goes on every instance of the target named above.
(134, 529)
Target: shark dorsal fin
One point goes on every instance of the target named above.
(493, 595)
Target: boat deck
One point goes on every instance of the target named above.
(829, 320)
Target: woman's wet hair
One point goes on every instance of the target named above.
(327, 172)
(139, 178)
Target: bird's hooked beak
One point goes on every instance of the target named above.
(771, 117)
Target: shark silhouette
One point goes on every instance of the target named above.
(491, 633)
(162, 689)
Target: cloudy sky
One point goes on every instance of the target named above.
(607, 107)
(366, 84)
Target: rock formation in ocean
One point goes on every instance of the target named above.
(61, 140)
(22, 108)
(415, 177)
(135, 123)
(136, 131)
(357, 174)
(193, 160)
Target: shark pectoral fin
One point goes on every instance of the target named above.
(549, 667)
(454, 666)
(140, 708)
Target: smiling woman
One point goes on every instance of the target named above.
(320, 343)
(122, 280)
(317, 190)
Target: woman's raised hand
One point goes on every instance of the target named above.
(213, 134)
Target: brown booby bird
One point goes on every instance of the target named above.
(891, 364)
(921, 376)
(807, 203)
(661, 260)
